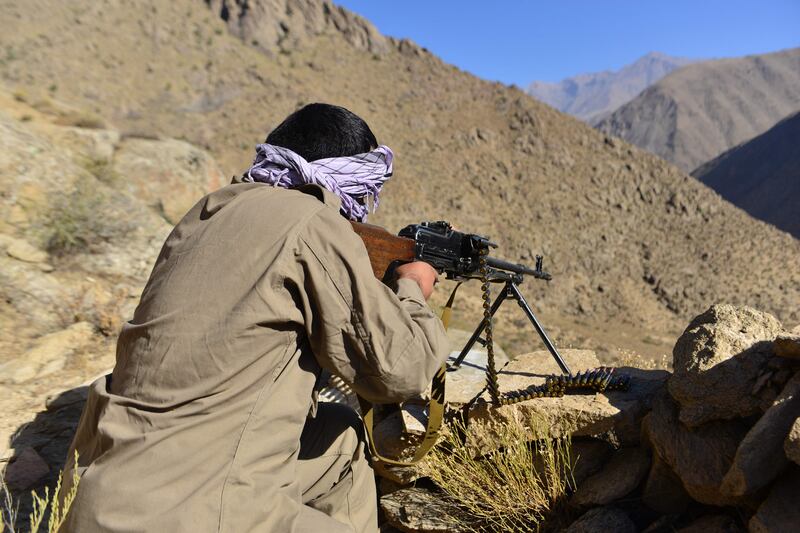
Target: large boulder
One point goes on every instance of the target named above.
(718, 361)
(780, 511)
(618, 478)
(719, 523)
(582, 414)
(700, 456)
(419, 510)
(603, 520)
(587, 457)
(760, 457)
(663, 491)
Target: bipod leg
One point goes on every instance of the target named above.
(479, 330)
(512, 288)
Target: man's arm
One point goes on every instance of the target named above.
(387, 344)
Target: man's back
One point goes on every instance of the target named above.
(199, 425)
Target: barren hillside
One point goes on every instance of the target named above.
(594, 96)
(635, 245)
(704, 109)
(762, 176)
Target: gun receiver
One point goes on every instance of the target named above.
(450, 252)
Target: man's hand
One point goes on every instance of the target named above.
(421, 272)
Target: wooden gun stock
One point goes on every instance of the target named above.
(384, 248)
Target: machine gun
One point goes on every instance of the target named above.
(459, 256)
(464, 256)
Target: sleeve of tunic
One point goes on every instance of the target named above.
(387, 344)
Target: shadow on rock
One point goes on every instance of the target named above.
(41, 447)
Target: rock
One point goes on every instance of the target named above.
(719, 523)
(618, 478)
(581, 414)
(24, 471)
(788, 346)
(663, 491)
(587, 456)
(717, 362)
(272, 27)
(602, 520)
(780, 511)
(760, 457)
(464, 384)
(39, 298)
(791, 446)
(24, 251)
(701, 456)
(177, 174)
(419, 510)
(76, 396)
(48, 355)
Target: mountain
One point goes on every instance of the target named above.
(704, 109)
(762, 176)
(636, 246)
(593, 96)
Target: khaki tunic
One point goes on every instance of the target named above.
(255, 290)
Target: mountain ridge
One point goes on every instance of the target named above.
(695, 113)
(592, 96)
(762, 175)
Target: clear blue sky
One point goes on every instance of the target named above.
(521, 41)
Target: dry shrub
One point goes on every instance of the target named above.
(8, 509)
(102, 169)
(517, 487)
(81, 220)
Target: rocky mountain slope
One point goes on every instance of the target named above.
(762, 176)
(635, 245)
(702, 110)
(591, 97)
(84, 210)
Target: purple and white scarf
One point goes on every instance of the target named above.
(350, 178)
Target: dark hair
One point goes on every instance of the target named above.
(318, 131)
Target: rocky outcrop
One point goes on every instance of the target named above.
(760, 457)
(719, 363)
(700, 457)
(780, 510)
(663, 491)
(618, 478)
(48, 355)
(285, 25)
(617, 412)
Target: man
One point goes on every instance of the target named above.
(208, 421)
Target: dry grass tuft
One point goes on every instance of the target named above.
(48, 506)
(517, 487)
(8, 509)
(635, 360)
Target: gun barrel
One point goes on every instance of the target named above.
(517, 268)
